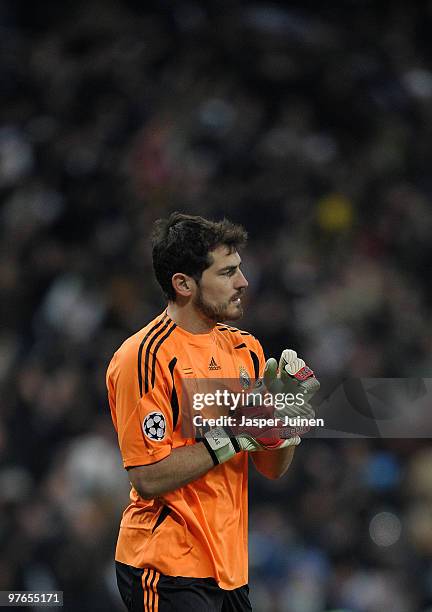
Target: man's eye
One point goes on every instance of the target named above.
(229, 273)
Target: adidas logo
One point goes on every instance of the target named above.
(213, 365)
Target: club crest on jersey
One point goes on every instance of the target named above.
(245, 380)
(154, 426)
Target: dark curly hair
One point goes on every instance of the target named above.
(182, 243)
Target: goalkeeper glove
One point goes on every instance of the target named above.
(292, 388)
(223, 443)
(293, 369)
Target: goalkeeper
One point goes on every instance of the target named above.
(182, 543)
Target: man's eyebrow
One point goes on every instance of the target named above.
(232, 267)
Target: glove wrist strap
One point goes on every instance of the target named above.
(220, 446)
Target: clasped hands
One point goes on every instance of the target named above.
(292, 385)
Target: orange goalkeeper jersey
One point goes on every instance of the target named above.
(200, 529)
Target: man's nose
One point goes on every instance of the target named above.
(241, 282)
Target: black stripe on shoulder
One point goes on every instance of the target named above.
(242, 345)
(225, 326)
(157, 347)
(255, 361)
(174, 396)
(233, 330)
(147, 353)
(140, 350)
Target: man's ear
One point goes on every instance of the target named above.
(183, 284)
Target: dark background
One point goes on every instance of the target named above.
(309, 124)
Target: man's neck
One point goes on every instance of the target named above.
(188, 318)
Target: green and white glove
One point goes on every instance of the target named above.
(292, 386)
(222, 444)
(295, 378)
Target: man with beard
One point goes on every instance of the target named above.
(183, 539)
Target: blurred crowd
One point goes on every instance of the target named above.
(312, 126)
